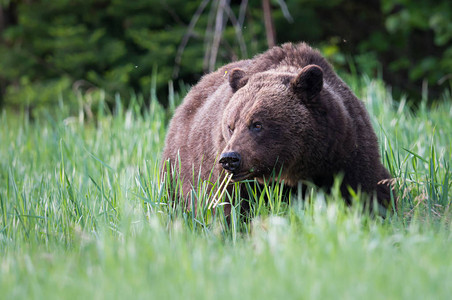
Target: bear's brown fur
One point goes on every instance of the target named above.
(284, 109)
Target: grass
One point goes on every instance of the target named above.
(85, 214)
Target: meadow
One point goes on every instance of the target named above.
(84, 214)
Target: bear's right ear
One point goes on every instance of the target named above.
(308, 83)
(237, 79)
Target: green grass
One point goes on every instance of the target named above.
(84, 214)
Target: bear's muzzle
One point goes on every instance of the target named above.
(230, 161)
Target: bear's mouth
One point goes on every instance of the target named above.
(241, 176)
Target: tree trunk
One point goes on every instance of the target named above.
(2, 20)
(268, 21)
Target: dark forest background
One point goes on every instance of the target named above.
(53, 50)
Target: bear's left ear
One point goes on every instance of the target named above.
(237, 79)
(308, 83)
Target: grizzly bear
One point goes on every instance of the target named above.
(285, 110)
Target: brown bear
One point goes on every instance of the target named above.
(285, 109)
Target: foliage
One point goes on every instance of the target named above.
(407, 43)
(91, 44)
(51, 48)
(85, 213)
(422, 33)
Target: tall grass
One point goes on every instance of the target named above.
(85, 212)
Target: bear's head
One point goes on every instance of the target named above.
(275, 121)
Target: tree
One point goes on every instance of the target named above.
(50, 48)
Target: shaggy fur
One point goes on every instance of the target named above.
(285, 108)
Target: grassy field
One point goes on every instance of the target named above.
(84, 214)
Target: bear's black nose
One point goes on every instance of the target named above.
(230, 161)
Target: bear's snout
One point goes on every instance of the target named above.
(230, 161)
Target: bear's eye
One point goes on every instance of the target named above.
(231, 130)
(256, 126)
